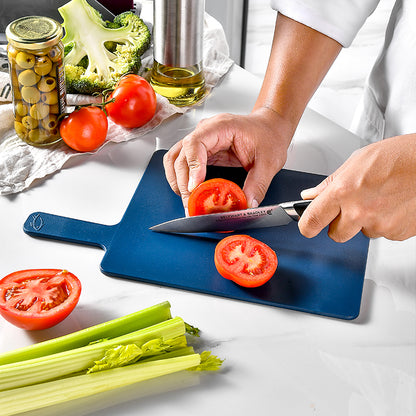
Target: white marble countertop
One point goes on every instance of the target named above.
(277, 361)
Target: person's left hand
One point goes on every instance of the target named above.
(258, 142)
(374, 191)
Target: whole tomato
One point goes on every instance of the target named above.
(85, 129)
(134, 102)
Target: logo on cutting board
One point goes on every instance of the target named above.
(37, 222)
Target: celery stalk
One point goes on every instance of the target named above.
(111, 329)
(53, 392)
(53, 366)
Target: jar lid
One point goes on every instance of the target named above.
(34, 32)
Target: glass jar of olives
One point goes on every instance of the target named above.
(35, 53)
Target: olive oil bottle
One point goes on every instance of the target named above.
(177, 71)
(181, 86)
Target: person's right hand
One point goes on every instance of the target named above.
(258, 142)
(373, 191)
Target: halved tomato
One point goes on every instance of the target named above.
(216, 195)
(245, 260)
(38, 299)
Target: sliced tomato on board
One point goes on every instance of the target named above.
(245, 260)
(38, 299)
(216, 195)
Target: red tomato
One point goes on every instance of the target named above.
(245, 260)
(129, 78)
(134, 102)
(216, 195)
(38, 299)
(84, 129)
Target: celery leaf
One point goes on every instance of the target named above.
(117, 357)
(209, 362)
(192, 330)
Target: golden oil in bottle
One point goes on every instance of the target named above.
(181, 86)
(177, 73)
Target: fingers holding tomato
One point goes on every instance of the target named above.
(38, 299)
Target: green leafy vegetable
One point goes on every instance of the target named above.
(192, 330)
(100, 361)
(37, 396)
(110, 329)
(209, 362)
(117, 357)
(98, 53)
(80, 359)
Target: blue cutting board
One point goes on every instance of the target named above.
(314, 275)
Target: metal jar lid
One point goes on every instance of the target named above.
(34, 32)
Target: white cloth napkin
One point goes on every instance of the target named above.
(21, 164)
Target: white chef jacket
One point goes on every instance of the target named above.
(388, 105)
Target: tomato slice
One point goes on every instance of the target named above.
(245, 260)
(38, 299)
(216, 195)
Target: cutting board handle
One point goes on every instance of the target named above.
(42, 224)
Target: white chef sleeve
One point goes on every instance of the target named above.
(338, 19)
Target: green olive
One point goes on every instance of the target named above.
(47, 84)
(43, 65)
(39, 111)
(41, 52)
(55, 53)
(29, 122)
(37, 136)
(30, 94)
(40, 136)
(25, 60)
(21, 109)
(52, 72)
(11, 51)
(20, 129)
(49, 97)
(28, 77)
(54, 132)
(50, 123)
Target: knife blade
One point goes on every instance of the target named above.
(261, 217)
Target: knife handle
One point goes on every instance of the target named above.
(296, 209)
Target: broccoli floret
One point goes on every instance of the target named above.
(98, 53)
(129, 19)
(77, 82)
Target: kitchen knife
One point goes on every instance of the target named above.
(261, 217)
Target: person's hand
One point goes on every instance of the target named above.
(258, 142)
(374, 191)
